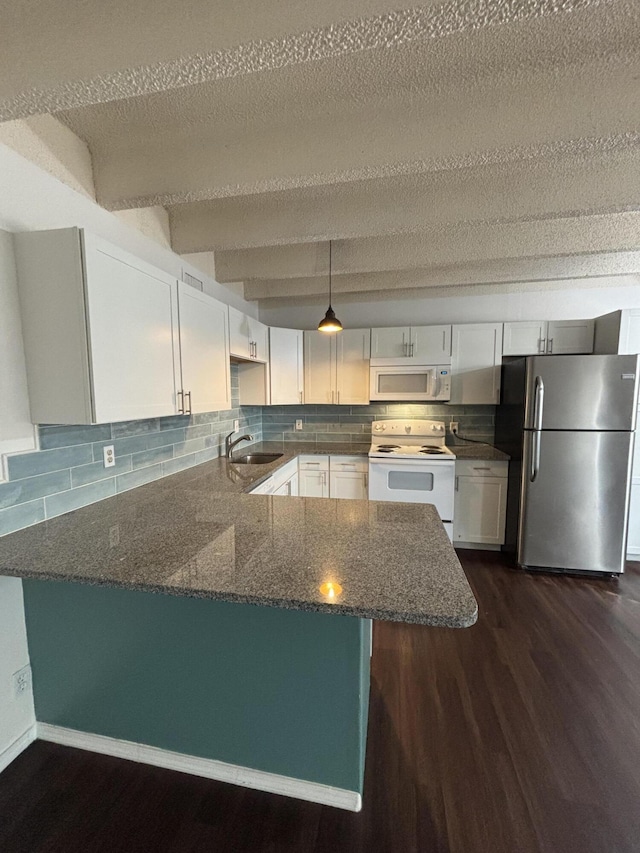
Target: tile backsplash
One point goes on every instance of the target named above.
(67, 471)
(352, 424)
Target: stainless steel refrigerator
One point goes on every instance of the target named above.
(568, 423)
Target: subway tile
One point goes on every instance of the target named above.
(207, 455)
(151, 456)
(22, 515)
(373, 409)
(172, 466)
(205, 418)
(85, 474)
(138, 477)
(174, 422)
(186, 447)
(197, 431)
(331, 436)
(42, 461)
(65, 436)
(123, 429)
(76, 498)
(30, 488)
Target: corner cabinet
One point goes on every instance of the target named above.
(248, 337)
(480, 503)
(476, 362)
(336, 367)
(102, 334)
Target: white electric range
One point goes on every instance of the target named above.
(409, 461)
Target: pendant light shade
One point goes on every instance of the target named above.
(330, 322)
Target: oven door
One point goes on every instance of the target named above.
(414, 482)
(424, 382)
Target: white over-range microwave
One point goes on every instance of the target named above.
(415, 382)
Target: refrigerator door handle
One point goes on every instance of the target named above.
(535, 456)
(538, 403)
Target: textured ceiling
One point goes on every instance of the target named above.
(424, 140)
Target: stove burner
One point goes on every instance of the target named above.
(387, 448)
(434, 451)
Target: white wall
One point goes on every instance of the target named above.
(16, 714)
(562, 300)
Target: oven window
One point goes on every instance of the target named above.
(413, 481)
(403, 383)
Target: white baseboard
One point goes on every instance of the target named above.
(208, 768)
(19, 745)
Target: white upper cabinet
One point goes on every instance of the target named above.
(286, 366)
(411, 345)
(352, 366)
(248, 338)
(204, 352)
(102, 334)
(476, 362)
(569, 336)
(556, 337)
(525, 338)
(100, 330)
(336, 367)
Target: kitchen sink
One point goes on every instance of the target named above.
(256, 458)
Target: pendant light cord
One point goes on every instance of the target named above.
(329, 273)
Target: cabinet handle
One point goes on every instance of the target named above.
(338, 397)
(541, 346)
(550, 346)
(181, 402)
(412, 347)
(366, 481)
(404, 345)
(188, 394)
(300, 394)
(457, 483)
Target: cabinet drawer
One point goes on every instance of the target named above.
(313, 463)
(359, 464)
(481, 468)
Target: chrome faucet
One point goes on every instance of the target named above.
(229, 445)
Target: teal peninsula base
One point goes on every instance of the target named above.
(240, 688)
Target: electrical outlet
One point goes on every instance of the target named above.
(299, 423)
(236, 425)
(21, 681)
(109, 456)
(453, 427)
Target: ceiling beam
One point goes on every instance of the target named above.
(437, 247)
(561, 185)
(438, 278)
(67, 57)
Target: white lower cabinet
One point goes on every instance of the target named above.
(480, 503)
(313, 476)
(348, 477)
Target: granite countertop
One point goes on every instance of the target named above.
(486, 452)
(198, 534)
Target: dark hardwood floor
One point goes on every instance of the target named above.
(519, 735)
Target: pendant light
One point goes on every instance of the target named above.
(330, 322)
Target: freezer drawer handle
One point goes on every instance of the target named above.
(631, 376)
(538, 403)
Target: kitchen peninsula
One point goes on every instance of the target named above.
(274, 697)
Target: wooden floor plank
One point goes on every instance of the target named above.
(518, 735)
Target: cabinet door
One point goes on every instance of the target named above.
(569, 336)
(313, 484)
(431, 344)
(294, 485)
(633, 539)
(204, 351)
(480, 510)
(390, 343)
(351, 349)
(238, 333)
(630, 332)
(133, 335)
(476, 360)
(258, 336)
(319, 368)
(286, 366)
(348, 484)
(526, 338)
